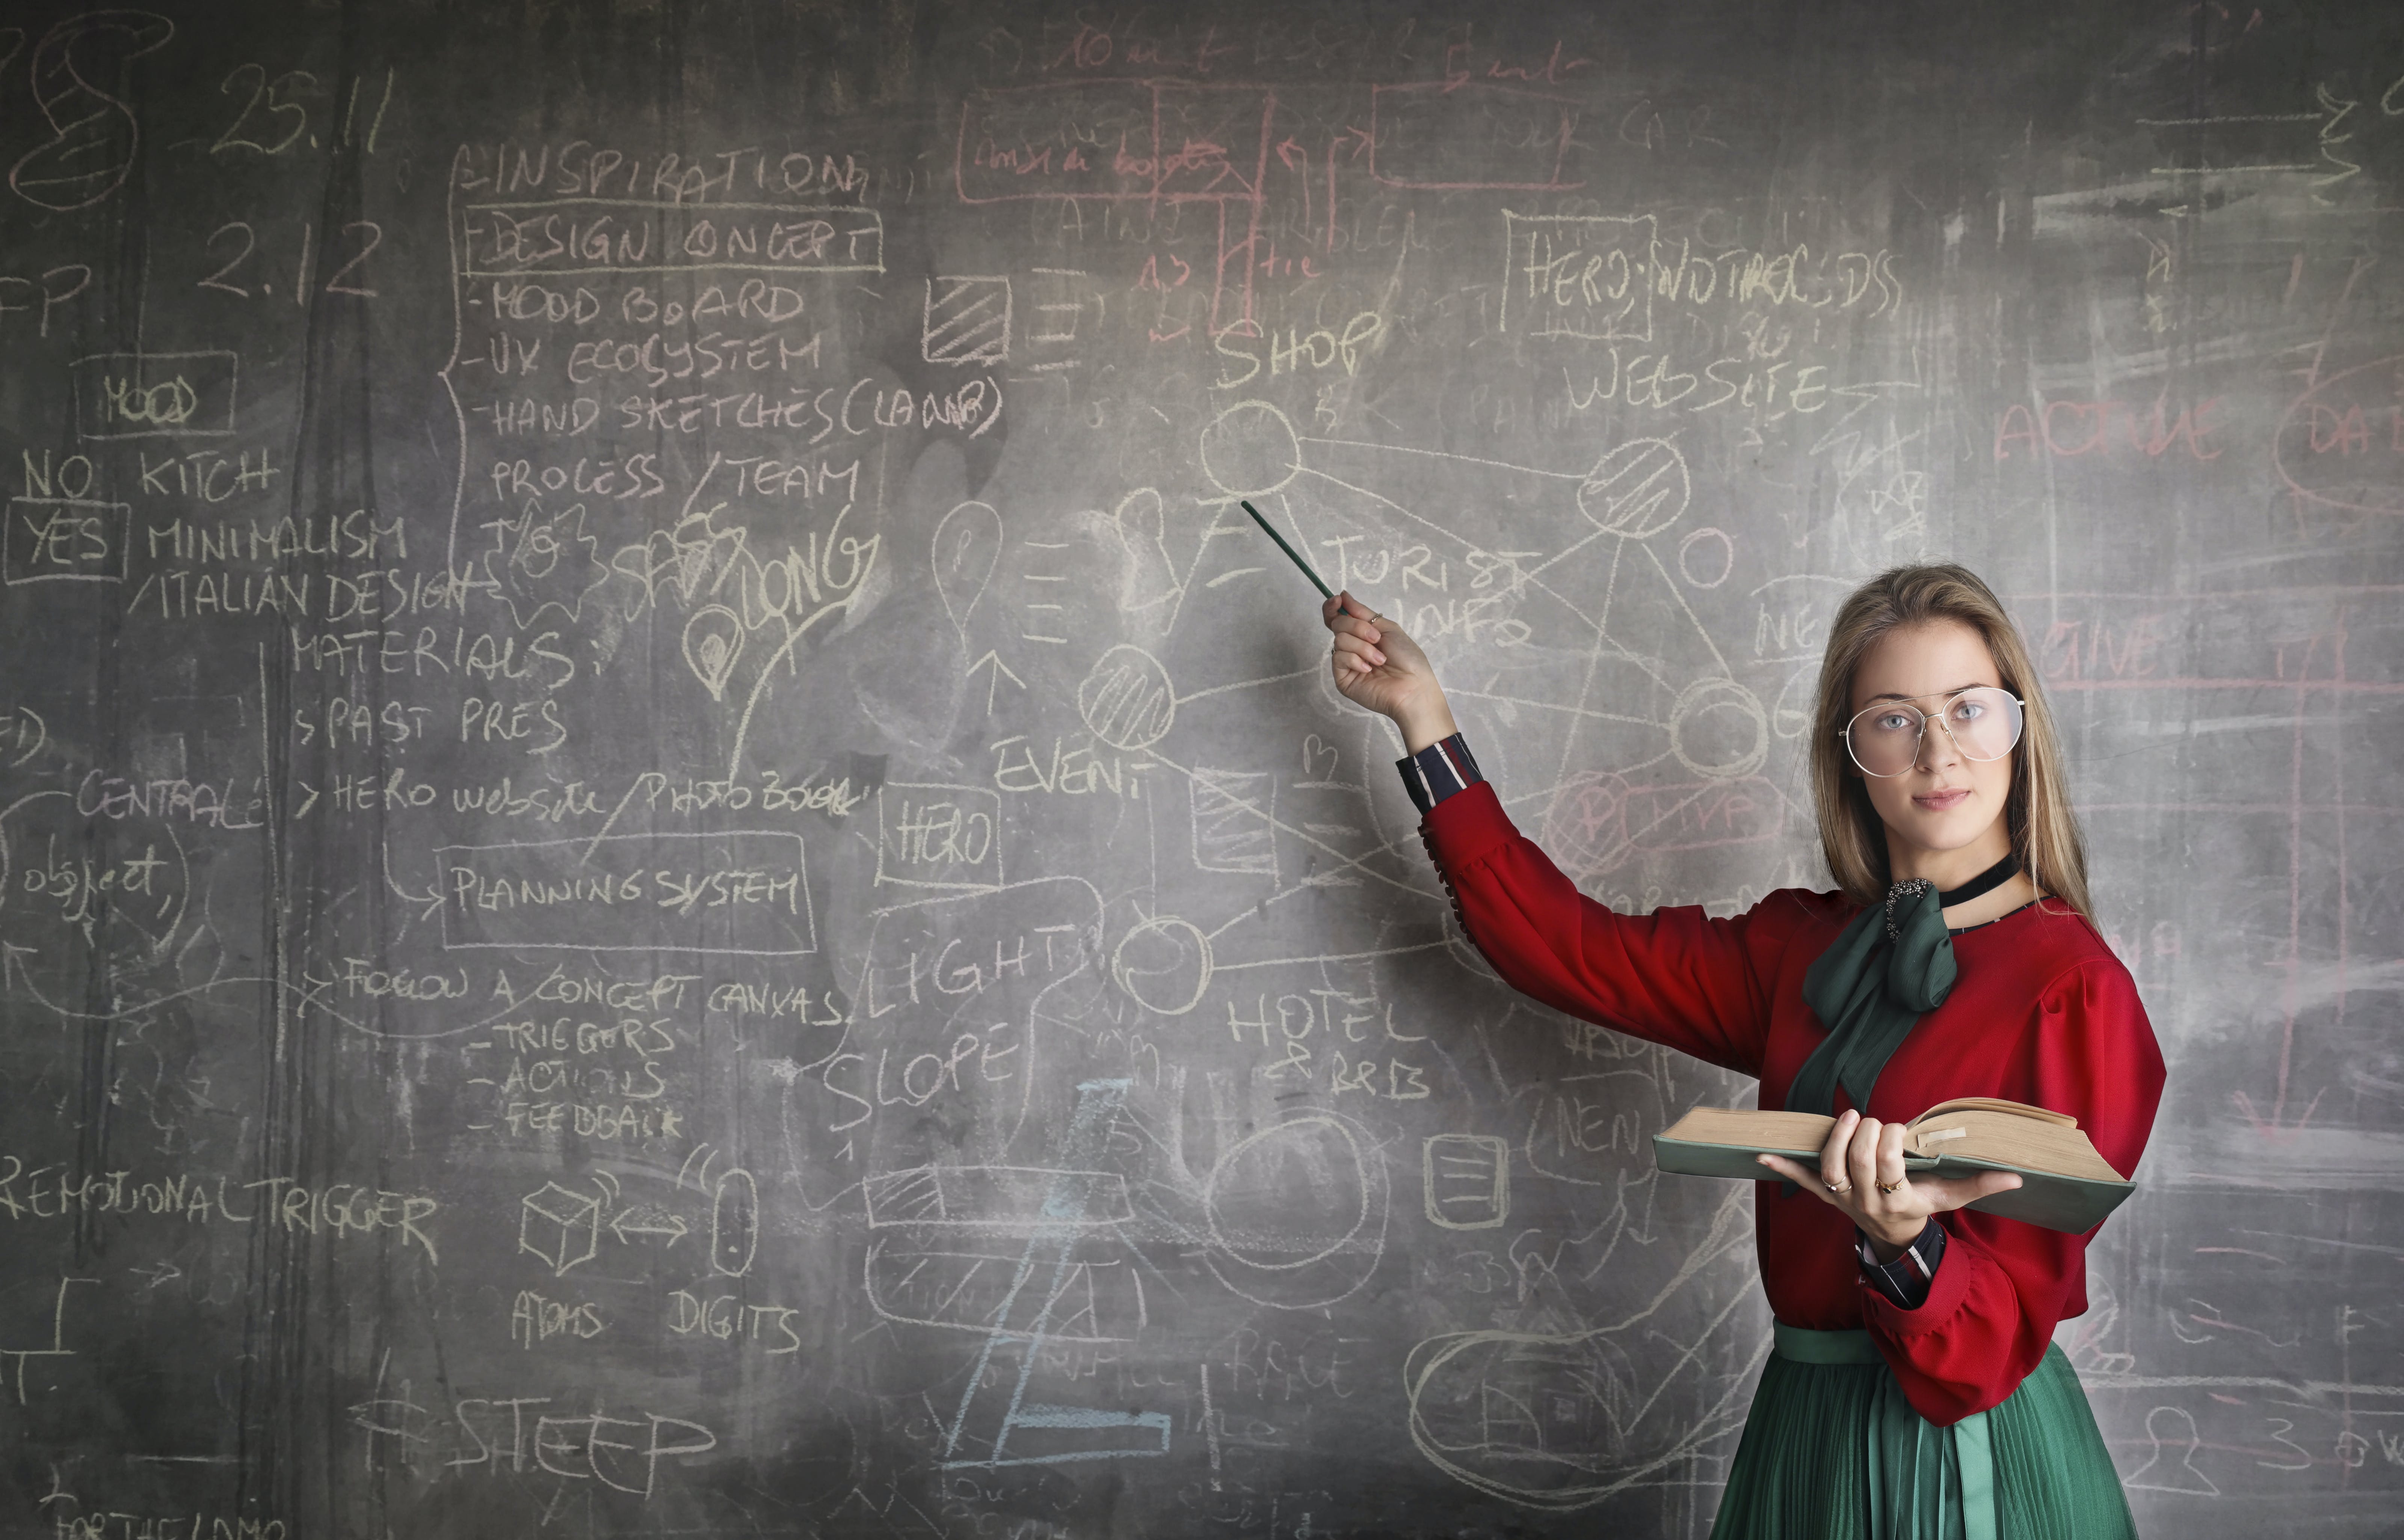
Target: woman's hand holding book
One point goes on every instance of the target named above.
(1863, 1152)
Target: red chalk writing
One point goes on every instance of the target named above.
(2065, 429)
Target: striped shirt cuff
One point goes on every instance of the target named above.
(1443, 768)
(1904, 1280)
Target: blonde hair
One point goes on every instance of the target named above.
(2043, 831)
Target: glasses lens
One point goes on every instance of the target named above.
(1985, 723)
(1885, 739)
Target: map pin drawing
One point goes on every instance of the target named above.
(967, 545)
(713, 641)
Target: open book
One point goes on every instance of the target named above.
(2064, 1184)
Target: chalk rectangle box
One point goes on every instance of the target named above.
(741, 893)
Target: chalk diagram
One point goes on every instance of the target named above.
(1551, 1419)
(1021, 1253)
(1560, 1419)
(1640, 662)
(1026, 1252)
(1028, 1258)
(563, 1226)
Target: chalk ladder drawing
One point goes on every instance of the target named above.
(1024, 1319)
(941, 1269)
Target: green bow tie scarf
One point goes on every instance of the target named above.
(1892, 965)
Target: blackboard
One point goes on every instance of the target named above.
(669, 866)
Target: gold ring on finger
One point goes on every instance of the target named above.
(1840, 1188)
(1892, 1187)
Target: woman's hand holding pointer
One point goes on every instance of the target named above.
(1378, 666)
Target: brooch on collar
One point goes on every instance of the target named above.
(1911, 887)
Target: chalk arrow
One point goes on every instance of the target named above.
(635, 1222)
(993, 681)
(427, 901)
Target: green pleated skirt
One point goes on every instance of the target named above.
(1832, 1450)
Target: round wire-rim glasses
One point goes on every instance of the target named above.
(1984, 723)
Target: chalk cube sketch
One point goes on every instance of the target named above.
(1586, 277)
(1235, 814)
(1467, 1179)
(938, 836)
(967, 321)
(561, 1226)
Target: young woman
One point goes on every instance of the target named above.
(1913, 1390)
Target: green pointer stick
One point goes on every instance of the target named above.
(1270, 530)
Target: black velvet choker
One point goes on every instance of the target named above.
(1984, 883)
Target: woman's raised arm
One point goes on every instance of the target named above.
(1675, 977)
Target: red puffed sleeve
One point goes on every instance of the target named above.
(1675, 976)
(2005, 1284)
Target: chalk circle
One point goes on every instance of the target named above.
(1586, 826)
(1706, 539)
(1126, 698)
(2325, 412)
(1450, 1382)
(1790, 714)
(1250, 450)
(1262, 1218)
(1639, 489)
(1153, 961)
(1700, 729)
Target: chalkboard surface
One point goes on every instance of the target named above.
(670, 865)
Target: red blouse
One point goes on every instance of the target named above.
(2043, 1013)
